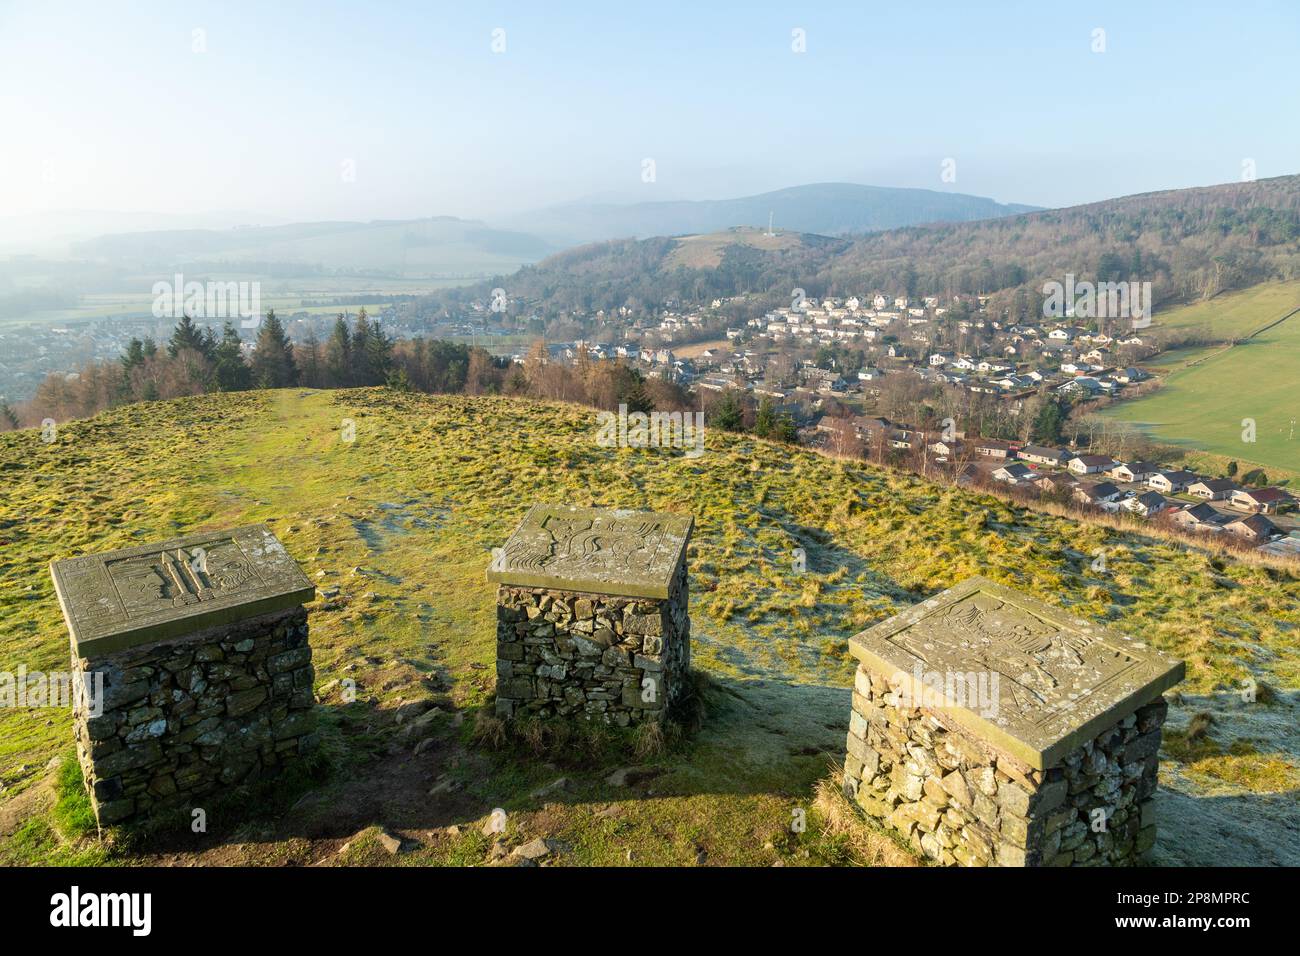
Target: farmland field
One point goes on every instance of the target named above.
(1208, 393)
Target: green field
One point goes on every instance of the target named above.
(1207, 393)
(402, 521)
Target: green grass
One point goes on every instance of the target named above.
(1207, 393)
(403, 521)
(1235, 314)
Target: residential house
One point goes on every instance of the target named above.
(1085, 386)
(993, 448)
(1090, 464)
(1212, 489)
(1265, 501)
(1015, 473)
(1060, 481)
(1199, 517)
(1254, 527)
(948, 449)
(1101, 494)
(1171, 482)
(1148, 504)
(1056, 457)
(1133, 471)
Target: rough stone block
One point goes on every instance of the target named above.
(604, 597)
(194, 642)
(1012, 735)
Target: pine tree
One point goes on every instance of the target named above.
(765, 418)
(379, 354)
(308, 358)
(8, 418)
(273, 364)
(1047, 426)
(187, 335)
(134, 356)
(728, 413)
(232, 371)
(361, 371)
(338, 355)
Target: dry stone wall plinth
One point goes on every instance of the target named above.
(196, 665)
(592, 615)
(991, 729)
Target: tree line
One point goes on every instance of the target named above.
(197, 360)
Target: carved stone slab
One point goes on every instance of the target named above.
(626, 553)
(1019, 673)
(138, 595)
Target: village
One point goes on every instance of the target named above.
(800, 358)
(776, 354)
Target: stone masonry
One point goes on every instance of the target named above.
(592, 615)
(989, 729)
(197, 666)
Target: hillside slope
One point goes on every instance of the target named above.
(396, 529)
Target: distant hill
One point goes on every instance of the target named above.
(826, 208)
(439, 246)
(1189, 243)
(654, 272)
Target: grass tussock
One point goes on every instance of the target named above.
(843, 823)
(73, 816)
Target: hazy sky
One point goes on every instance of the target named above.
(108, 106)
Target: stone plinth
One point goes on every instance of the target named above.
(200, 646)
(592, 615)
(991, 729)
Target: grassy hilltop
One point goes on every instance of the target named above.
(396, 529)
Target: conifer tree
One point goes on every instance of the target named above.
(273, 364)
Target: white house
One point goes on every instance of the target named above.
(1090, 464)
(1170, 482)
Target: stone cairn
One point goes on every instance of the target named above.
(195, 664)
(592, 615)
(990, 729)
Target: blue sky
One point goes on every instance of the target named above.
(108, 106)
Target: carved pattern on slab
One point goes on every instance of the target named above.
(1043, 668)
(128, 596)
(178, 577)
(589, 545)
